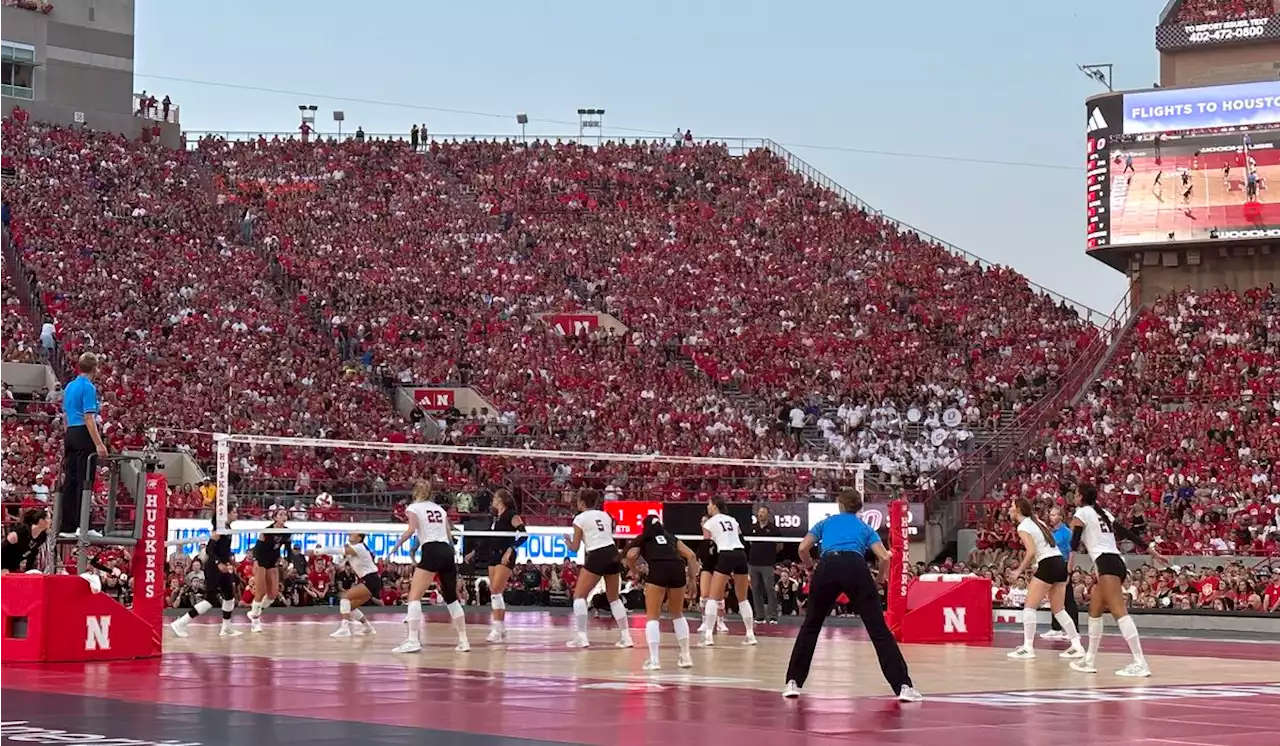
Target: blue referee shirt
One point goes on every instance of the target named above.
(79, 399)
(1062, 537)
(844, 532)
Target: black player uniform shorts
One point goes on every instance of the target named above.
(373, 581)
(1052, 570)
(603, 561)
(732, 562)
(1112, 564)
(667, 574)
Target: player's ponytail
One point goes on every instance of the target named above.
(1025, 508)
(1089, 497)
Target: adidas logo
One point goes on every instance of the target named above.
(1096, 121)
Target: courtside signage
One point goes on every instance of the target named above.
(547, 545)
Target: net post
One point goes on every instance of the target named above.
(222, 447)
(899, 568)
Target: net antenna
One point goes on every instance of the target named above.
(223, 441)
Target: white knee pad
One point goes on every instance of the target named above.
(229, 605)
(580, 606)
(497, 602)
(203, 606)
(455, 609)
(414, 610)
(344, 606)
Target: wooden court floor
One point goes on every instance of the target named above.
(294, 684)
(845, 664)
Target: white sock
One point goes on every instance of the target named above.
(748, 616)
(344, 606)
(712, 610)
(1095, 638)
(255, 609)
(357, 615)
(456, 616)
(1129, 631)
(682, 633)
(619, 611)
(1028, 628)
(651, 634)
(414, 615)
(498, 603)
(580, 616)
(268, 601)
(1068, 626)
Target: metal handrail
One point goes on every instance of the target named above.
(1075, 378)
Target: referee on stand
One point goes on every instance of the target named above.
(844, 540)
(83, 444)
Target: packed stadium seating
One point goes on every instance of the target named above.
(1179, 431)
(365, 259)
(1203, 11)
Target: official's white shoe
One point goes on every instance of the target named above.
(750, 639)
(685, 661)
(708, 641)
(1075, 652)
(179, 626)
(1135, 670)
(408, 646)
(909, 694)
(721, 627)
(652, 665)
(229, 631)
(625, 642)
(365, 628)
(791, 690)
(343, 630)
(1084, 665)
(578, 641)
(462, 647)
(495, 636)
(1021, 653)
(1053, 634)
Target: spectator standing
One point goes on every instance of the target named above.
(83, 444)
(413, 137)
(164, 107)
(762, 556)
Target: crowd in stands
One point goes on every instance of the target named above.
(1207, 11)
(359, 265)
(1180, 431)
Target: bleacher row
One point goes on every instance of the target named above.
(274, 286)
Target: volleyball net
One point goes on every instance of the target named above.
(547, 502)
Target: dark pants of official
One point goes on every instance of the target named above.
(1070, 607)
(846, 572)
(79, 456)
(765, 591)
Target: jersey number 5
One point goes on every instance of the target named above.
(600, 524)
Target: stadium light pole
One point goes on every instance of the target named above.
(591, 119)
(1099, 73)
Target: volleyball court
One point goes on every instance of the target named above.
(296, 682)
(1195, 194)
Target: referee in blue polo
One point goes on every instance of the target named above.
(83, 442)
(844, 540)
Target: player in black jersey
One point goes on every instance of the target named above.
(266, 568)
(707, 561)
(672, 567)
(24, 542)
(499, 552)
(219, 582)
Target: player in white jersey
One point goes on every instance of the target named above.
(593, 530)
(731, 563)
(360, 560)
(430, 523)
(1050, 580)
(1095, 528)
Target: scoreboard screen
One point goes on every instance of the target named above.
(1183, 164)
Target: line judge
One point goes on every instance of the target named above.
(82, 444)
(844, 540)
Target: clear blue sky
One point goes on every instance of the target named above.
(982, 79)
